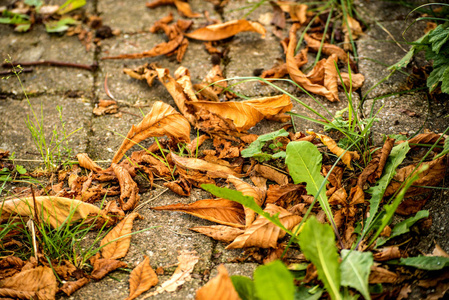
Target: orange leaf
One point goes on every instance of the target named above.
(264, 234)
(115, 243)
(219, 210)
(128, 188)
(72, 286)
(87, 163)
(142, 278)
(220, 287)
(328, 49)
(357, 80)
(213, 170)
(219, 232)
(330, 76)
(104, 266)
(184, 9)
(161, 120)
(225, 30)
(272, 174)
(381, 275)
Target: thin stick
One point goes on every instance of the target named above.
(54, 63)
(10, 72)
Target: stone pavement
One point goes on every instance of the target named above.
(78, 91)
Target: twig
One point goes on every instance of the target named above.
(54, 63)
(106, 89)
(10, 72)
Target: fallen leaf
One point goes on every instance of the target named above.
(36, 283)
(425, 138)
(264, 234)
(187, 261)
(129, 191)
(387, 253)
(161, 120)
(10, 265)
(438, 251)
(104, 266)
(281, 70)
(286, 196)
(330, 76)
(185, 10)
(439, 292)
(352, 31)
(220, 287)
(219, 210)
(404, 292)
(142, 278)
(376, 165)
(87, 163)
(181, 186)
(156, 3)
(297, 11)
(355, 80)
(213, 170)
(381, 275)
(219, 232)
(53, 210)
(116, 243)
(70, 287)
(145, 72)
(223, 31)
(271, 174)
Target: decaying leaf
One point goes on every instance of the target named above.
(161, 120)
(220, 287)
(87, 163)
(219, 232)
(264, 234)
(213, 170)
(281, 70)
(53, 210)
(330, 76)
(332, 145)
(116, 243)
(129, 191)
(187, 261)
(223, 31)
(355, 80)
(352, 30)
(37, 283)
(297, 11)
(72, 286)
(181, 186)
(381, 275)
(142, 278)
(387, 253)
(271, 174)
(185, 10)
(286, 196)
(103, 266)
(219, 210)
(376, 165)
(145, 72)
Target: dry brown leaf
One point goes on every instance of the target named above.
(213, 170)
(161, 120)
(381, 275)
(438, 251)
(251, 191)
(436, 169)
(181, 186)
(410, 206)
(354, 31)
(376, 165)
(330, 76)
(103, 266)
(129, 191)
(142, 278)
(425, 138)
(87, 163)
(219, 232)
(196, 143)
(10, 265)
(281, 70)
(404, 292)
(53, 210)
(264, 234)
(271, 174)
(116, 243)
(296, 74)
(356, 80)
(219, 210)
(387, 253)
(297, 11)
(439, 292)
(332, 146)
(286, 196)
(72, 286)
(185, 10)
(145, 72)
(220, 287)
(187, 261)
(223, 31)
(156, 3)
(37, 283)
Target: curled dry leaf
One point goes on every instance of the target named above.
(213, 170)
(219, 232)
(87, 163)
(129, 191)
(187, 261)
(332, 146)
(286, 196)
(181, 186)
(251, 191)
(36, 283)
(161, 120)
(281, 70)
(145, 72)
(355, 80)
(104, 266)
(352, 30)
(185, 10)
(387, 253)
(116, 243)
(376, 165)
(225, 30)
(142, 278)
(330, 76)
(381, 275)
(219, 210)
(438, 251)
(298, 12)
(271, 174)
(220, 287)
(72, 286)
(53, 210)
(264, 234)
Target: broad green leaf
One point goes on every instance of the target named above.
(438, 37)
(355, 268)
(403, 227)
(304, 293)
(70, 5)
(317, 242)
(255, 148)
(244, 287)
(22, 27)
(397, 155)
(20, 169)
(430, 263)
(304, 165)
(274, 282)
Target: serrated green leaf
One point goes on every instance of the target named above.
(397, 155)
(317, 242)
(355, 268)
(430, 263)
(244, 287)
(304, 293)
(403, 227)
(274, 282)
(438, 37)
(304, 165)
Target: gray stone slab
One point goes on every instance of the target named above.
(237, 9)
(377, 50)
(16, 137)
(39, 45)
(371, 11)
(240, 269)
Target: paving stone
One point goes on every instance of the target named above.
(17, 138)
(39, 45)
(240, 269)
(386, 10)
(377, 51)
